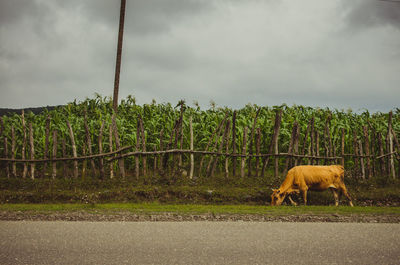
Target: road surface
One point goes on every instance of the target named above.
(198, 243)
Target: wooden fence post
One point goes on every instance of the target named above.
(334, 154)
(54, 155)
(356, 151)
(366, 141)
(258, 150)
(191, 149)
(5, 150)
(252, 143)
(296, 145)
(6, 156)
(64, 153)
(23, 151)
(398, 149)
(215, 144)
(74, 152)
(274, 140)
(176, 139)
(290, 150)
(14, 165)
(234, 158)
(110, 140)
(166, 156)
(392, 169)
(100, 142)
(118, 145)
(137, 165)
(373, 151)
(382, 159)
(327, 140)
(180, 146)
(243, 158)
(46, 144)
(360, 146)
(32, 145)
(161, 148)
(84, 162)
(144, 158)
(312, 140)
(276, 151)
(332, 150)
(390, 147)
(89, 144)
(226, 151)
(342, 147)
(154, 162)
(227, 124)
(303, 150)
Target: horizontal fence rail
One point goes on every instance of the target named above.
(65, 158)
(181, 151)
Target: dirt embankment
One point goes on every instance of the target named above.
(175, 217)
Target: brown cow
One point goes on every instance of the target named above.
(318, 178)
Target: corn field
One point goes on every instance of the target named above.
(88, 139)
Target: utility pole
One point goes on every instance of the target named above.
(119, 51)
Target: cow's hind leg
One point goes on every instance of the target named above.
(335, 195)
(344, 190)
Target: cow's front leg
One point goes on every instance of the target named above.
(290, 192)
(304, 192)
(292, 201)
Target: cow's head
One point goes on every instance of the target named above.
(277, 197)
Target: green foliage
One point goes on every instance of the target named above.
(162, 117)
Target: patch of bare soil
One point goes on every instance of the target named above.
(174, 217)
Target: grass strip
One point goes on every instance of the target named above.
(154, 208)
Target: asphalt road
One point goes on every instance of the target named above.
(198, 243)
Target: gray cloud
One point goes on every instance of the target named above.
(232, 52)
(144, 17)
(14, 11)
(370, 13)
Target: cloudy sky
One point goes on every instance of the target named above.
(332, 53)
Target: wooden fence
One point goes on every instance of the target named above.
(373, 155)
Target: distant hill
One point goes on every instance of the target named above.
(4, 111)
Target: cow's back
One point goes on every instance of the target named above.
(317, 177)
